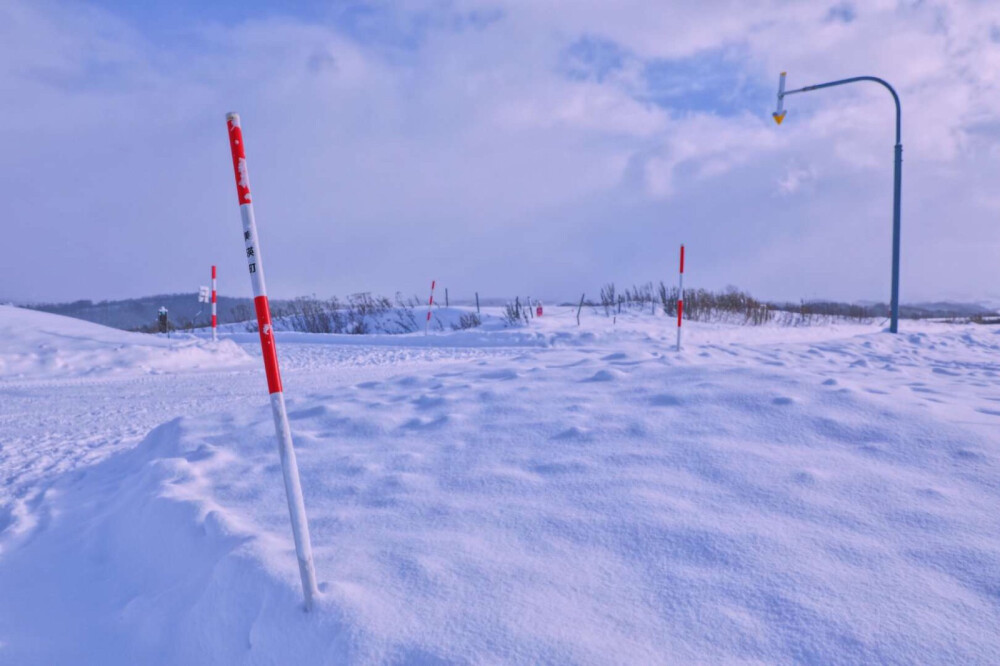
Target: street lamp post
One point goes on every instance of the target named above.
(779, 115)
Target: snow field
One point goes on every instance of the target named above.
(821, 495)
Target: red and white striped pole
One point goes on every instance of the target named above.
(680, 300)
(430, 304)
(215, 319)
(289, 466)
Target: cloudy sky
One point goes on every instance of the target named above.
(537, 147)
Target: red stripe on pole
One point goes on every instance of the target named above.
(267, 346)
(680, 311)
(239, 161)
(682, 258)
(213, 296)
(213, 321)
(213, 272)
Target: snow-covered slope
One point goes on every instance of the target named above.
(818, 495)
(42, 345)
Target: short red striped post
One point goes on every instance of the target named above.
(215, 319)
(289, 466)
(680, 300)
(430, 304)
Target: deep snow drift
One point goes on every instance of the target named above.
(39, 344)
(551, 495)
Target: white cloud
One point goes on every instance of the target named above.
(470, 154)
(795, 178)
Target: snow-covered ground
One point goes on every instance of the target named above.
(550, 494)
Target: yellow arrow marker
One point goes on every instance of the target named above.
(778, 117)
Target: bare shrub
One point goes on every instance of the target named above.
(512, 314)
(466, 321)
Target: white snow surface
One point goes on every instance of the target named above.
(551, 494)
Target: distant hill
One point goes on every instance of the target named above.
(184, 310)
(935, 309)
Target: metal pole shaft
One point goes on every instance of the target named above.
(286, 451)
(896, 228)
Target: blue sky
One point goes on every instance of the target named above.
(538, 148)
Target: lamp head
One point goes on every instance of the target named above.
(779, 114)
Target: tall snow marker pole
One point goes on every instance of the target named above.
(430, 304)
(680, 300)
(289, 466)
(215, 319)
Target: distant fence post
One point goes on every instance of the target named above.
(680, 300)
(477, 302)
(430, 304)
(446, 302)
(580, 308)
(215, 318)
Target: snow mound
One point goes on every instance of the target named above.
(42, 345)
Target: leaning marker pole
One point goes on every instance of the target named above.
(289, 467)
(680, 300)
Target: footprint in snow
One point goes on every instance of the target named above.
(573, 433)
(804, 478)
(309, 413)
(930, 493)
(665, 400)
(203, 452)
(499, 374)
(969, 455)
(556, 467)
(604, 376)
(428, 402)
(426, 424)
(783, 400)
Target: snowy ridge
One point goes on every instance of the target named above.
(42, 345)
